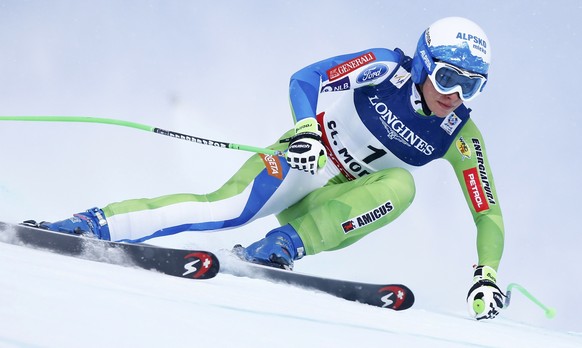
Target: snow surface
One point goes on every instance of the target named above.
(51, 300)
(220, 70)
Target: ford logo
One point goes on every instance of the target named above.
(373, 72)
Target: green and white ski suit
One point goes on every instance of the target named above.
(374, 132)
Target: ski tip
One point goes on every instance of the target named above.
(397, 297)
(200, 265)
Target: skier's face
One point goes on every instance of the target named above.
(440, 104)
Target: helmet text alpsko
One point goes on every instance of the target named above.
(475, 39)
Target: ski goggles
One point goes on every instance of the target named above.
(448, 79)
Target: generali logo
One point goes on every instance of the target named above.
(343, 69)
(273, 165)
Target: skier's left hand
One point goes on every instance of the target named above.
(485, 299)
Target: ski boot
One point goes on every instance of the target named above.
(91, 223)
(278, 249)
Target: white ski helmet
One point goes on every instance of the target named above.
(454, 40)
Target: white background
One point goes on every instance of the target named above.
(220, 70)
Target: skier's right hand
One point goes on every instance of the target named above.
(484, 299)
(306, 151)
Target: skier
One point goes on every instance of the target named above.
(363, 121)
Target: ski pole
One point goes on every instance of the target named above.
(550, 312)
(146, 128)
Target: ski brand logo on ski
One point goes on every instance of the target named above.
(191, 264)
(191, 267)
(368, 217)
(394, 298)
(343, 69)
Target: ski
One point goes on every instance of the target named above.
(393, 296)
(200, 264)
(191, 264)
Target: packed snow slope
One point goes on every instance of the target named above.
(220, 70)
(50, 300)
